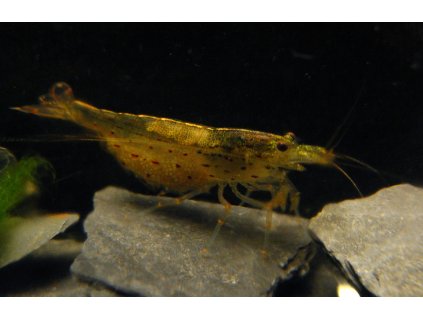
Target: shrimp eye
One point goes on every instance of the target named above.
(290, 135)
(282, 147)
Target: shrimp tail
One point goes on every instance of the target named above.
(56, 104)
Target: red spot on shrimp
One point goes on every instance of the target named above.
(151, 147)
(185, 154)
(133, 155)
(189, 177)
(170, 150)
(178, 165)
(206, 165)
(254, 176)
(148, 175)
(155, 162)
(116, 146)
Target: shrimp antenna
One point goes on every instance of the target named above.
(348, 177)
(342, 129)
(359, 162)
(49, 138)
(61, 138)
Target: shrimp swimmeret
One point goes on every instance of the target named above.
(190, 159)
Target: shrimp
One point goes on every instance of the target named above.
(190, 159)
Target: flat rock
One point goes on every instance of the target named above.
(19, 236)
(139, 249)
(68, 286)
(378, 239)
(45, 273)
(317, 276)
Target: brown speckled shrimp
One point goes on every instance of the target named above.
(190, 159)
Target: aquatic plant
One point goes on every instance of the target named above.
(18, 179)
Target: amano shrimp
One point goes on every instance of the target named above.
(189, 159)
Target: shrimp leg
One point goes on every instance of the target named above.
(294, 198)
(279, 199)
(245, 198)
(287, 190)
(184, 197)
(221, 221)
(247, 194)
(261, 205)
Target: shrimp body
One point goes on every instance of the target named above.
(189, 159)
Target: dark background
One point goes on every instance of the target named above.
(274, 77)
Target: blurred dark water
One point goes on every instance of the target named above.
(273, 77)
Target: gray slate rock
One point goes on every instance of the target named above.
(141, 250)
(317, 276)
(68, 286)
(378, 239)
(30, 279)
(19, 236)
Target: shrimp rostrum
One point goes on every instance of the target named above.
(189, 159)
